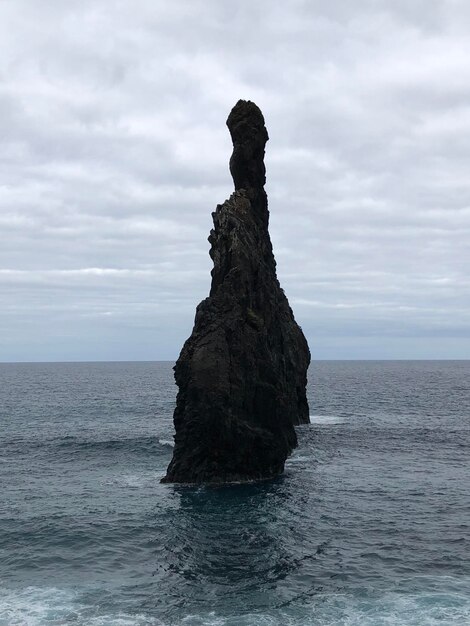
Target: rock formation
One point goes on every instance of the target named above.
(243, 371)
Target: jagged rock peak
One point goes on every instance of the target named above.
(242, 373)
(249, 137)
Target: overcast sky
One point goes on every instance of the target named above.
(115, 152)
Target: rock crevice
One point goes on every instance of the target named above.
(242, 373)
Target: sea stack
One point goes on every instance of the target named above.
(242, 373)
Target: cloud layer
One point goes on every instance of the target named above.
(115, 152)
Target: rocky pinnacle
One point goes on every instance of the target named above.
(242, 373)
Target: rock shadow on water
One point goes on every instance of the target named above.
(225, 543)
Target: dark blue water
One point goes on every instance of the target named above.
(369, 526)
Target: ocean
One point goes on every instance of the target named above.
(368, 526)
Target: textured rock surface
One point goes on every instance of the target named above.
(242, 373)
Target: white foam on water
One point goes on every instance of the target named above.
(34, 606)
(450, 607)
(337, 611)
(326, 419)
(167, 442)
(394, 609)
(135, 481)
(250, 619)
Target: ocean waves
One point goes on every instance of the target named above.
(369, 525)
(441, 603)
(74, 447)
(132, 445)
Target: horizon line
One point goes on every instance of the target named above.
(174, 361)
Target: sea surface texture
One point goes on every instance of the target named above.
(369, 525)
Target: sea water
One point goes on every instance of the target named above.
(368, 526)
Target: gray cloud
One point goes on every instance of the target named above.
(115, 152)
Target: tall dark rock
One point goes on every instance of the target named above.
(243, 371)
